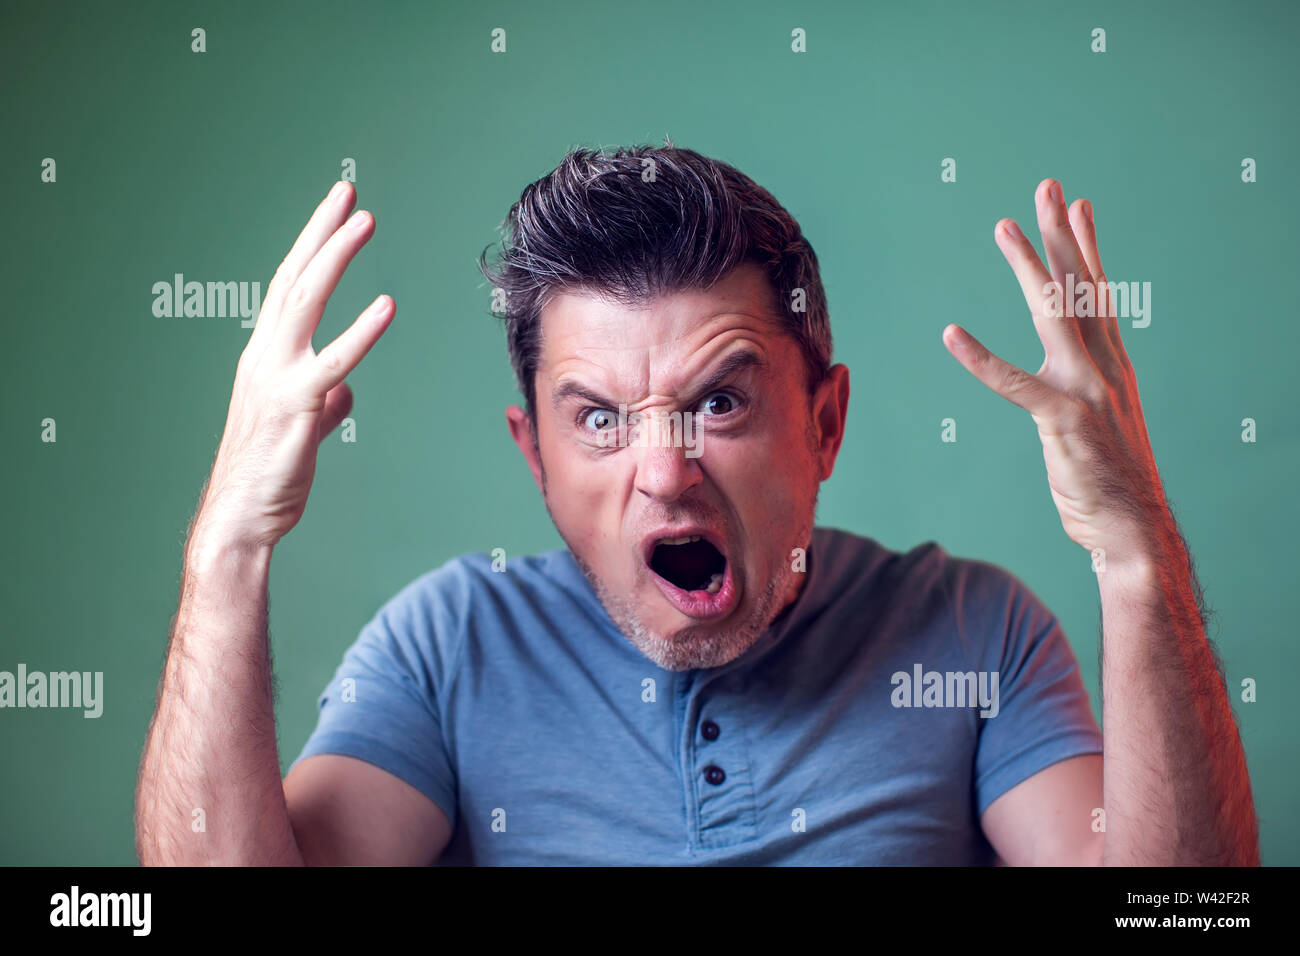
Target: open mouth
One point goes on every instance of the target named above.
(690, 563)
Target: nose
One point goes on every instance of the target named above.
(665, 471)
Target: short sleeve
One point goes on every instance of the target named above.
(381, 707)
(1043, 714)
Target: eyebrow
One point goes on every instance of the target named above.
(737, 361)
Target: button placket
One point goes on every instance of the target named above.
(723, 789)
(713, 774)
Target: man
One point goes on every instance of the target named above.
(702, 676)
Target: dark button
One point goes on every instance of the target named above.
(709, 729)
(714, 774)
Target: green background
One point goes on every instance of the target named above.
(208, 164)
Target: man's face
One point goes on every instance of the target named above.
(741, 472)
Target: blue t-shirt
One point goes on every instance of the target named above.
(871, 723)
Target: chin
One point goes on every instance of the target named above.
(687, 650)
(677, 642)
(680, 644)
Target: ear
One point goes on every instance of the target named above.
(521, 430)
(830, 409)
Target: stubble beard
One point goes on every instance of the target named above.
(702, 646)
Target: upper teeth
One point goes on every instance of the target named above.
(686, 540)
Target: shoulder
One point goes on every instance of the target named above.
(927, 590)
(423, 626)
(926, 572)
(474, 581)
(987, 609)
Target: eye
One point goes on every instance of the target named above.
(719, 403)
(599, 419)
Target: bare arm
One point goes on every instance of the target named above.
(1048, 819)
(209, 788)
(1176, 789)
(348, 812)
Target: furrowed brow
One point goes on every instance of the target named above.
(735, 362)
(571, 389)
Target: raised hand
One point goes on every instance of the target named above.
(286, 397)
(1084, 398)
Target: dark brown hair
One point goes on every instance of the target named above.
(636, 222)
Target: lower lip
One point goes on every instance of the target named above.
(700, 605)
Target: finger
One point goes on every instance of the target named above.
(1085, 231)
(331, 212)
(1060, 337)
(337, 360)
(1085, 234)
(1014, 384)
(1063, 254)
(1066, 262)
(338, 402)
(305, 303)
(1093, 313)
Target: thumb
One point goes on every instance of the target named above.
(338, 402)
(1011, 382)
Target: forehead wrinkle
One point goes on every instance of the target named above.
(660, 321)
(681, 378)
(660, 376)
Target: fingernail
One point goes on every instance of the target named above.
(1011, 230)
(1054, 192)
(1087, 209)
(359, 219)
(338, 190)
